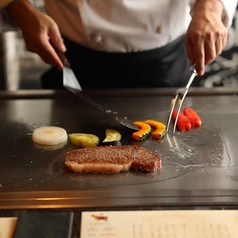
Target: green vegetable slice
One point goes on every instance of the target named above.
(84, 139)
(112, 137)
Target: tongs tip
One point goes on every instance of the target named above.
(179, 97)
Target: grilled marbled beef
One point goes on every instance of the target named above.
(112, 159)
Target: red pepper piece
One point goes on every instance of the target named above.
(193, 117)
(183, 123)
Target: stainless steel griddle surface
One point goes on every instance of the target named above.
(199, 166)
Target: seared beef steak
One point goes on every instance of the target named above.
(112, 159)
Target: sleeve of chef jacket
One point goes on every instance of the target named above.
(6, 23)
(228, 13)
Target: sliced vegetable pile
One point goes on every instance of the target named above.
(53, 135)
(113, 137)
(187, 119)
(145, 129)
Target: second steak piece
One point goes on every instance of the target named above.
(112, 159)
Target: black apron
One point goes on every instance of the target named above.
(167, 66)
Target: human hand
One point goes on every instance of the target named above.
(39, 31)
(206, 36)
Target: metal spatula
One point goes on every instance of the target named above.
(71, 83)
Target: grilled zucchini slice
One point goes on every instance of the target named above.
(113, 137)
(84, 139)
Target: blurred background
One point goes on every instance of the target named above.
(21, 69)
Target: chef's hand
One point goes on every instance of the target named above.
(206, 36)
(38, 31)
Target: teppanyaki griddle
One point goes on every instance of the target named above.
(199, 167)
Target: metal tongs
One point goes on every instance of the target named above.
(179, 97)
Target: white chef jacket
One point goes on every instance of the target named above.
(125, 25)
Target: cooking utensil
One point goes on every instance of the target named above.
(71, 83)
(179, 97)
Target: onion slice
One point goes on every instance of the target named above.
(49, 135)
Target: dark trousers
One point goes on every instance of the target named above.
(167, 66)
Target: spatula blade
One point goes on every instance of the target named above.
(71, 83)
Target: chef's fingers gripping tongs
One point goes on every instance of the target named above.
(179, 97)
